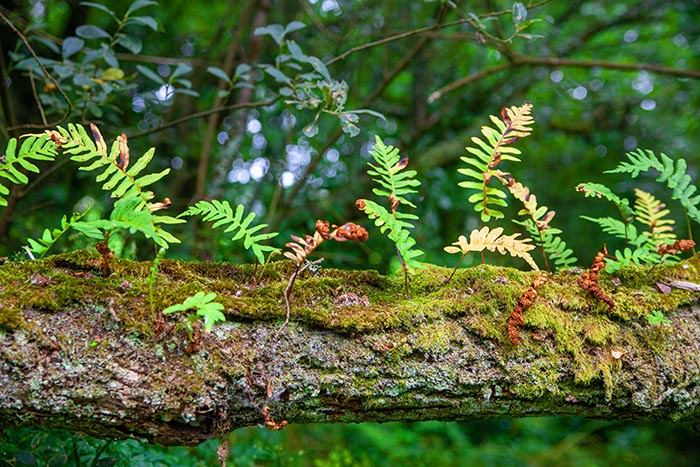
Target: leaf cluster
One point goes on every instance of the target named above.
(134, 209)
(394, 183)
(673, 174)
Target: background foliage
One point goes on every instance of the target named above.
(282, 121)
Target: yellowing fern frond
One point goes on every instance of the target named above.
(487, 153)
(652, 213)
(493, 240)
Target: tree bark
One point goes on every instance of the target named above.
(80, 347)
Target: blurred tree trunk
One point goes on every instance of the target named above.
(90, 360)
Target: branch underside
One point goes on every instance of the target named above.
(83, 364)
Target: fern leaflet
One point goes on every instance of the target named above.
(492, 240)
(601, 191)
(674, 175)
(488, 153)
(206, 307)
(222, 214)
(35, 147)
(548, 239)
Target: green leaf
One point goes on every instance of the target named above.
(99, 7)
(138, 4)
(219, 73)
(71, 45)
(151, 75)
(89, 31)
(275, 31)
(144, 20)
(131, 43)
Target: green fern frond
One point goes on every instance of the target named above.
(674, 175)
(652, 213)
(122, 181)
(599, 190)
(40, 246)
(615, 227)
(628, 257)
(487, 153)
(115, 174)
(395, 182)
(396, 227)
(205, 306)
(34, 148)
(221, 213)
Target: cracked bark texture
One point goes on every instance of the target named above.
(355, 350)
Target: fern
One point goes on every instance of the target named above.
(650, 212)
(34, 148)
(615, 227)
(493, 240)
(40, 246)
(123, 182)
(639, 255)
(488, 153)
(674, 175)
(395, 184)
(601, 191)
(222, 214)
(537, 224)
(205, 306)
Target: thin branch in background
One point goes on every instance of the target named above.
(23, 38)
(36, 98)
(204, 113)
(520, 60)
(460, 83)
(213, 120)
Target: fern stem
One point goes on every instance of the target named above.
(544, 253)
(457, 267)
(690, 228)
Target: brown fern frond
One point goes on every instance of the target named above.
(589, 280)
(515, 320)
(541, 215)
(679, 246)
(492, 240)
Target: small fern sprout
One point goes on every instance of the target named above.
(492, 240)
(301, 249)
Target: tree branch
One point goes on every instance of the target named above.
(81, 352)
